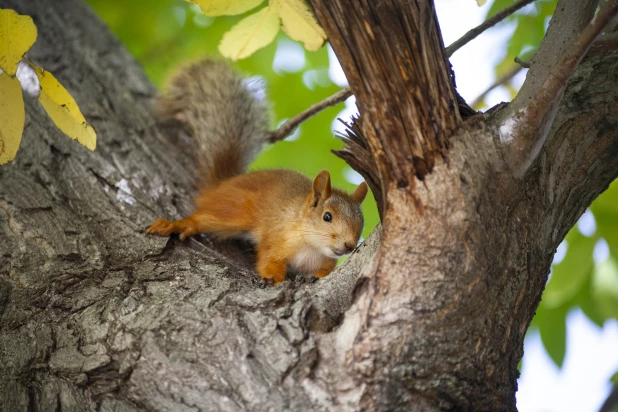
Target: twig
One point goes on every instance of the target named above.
(288, 127)
(472, 34)
(529, 126)
(502, 80)
(611, 401)
(525, 65)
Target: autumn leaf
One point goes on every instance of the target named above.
(17, 35)
(225, 7)
(63, 110)
(299, 23)
(250, 34)
(260, 29)
(12, 117)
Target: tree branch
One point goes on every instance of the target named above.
(475, 32)
(526, 132)
(525, 65)
(288, 127)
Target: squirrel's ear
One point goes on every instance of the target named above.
(321, 188)
(360, 193)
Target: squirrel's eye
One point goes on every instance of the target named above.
(327, 217)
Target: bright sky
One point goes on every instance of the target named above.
(592, 352)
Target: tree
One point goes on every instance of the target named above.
(430, 315)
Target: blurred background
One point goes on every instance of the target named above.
(571, 350)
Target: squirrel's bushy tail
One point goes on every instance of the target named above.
(227, 116)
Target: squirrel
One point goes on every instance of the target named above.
(295, 222)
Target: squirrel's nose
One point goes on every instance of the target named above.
(349, 247)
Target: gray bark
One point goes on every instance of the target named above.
(95, 315)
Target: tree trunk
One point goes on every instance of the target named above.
(95, 315)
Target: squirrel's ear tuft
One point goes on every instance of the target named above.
(321, 188)
(360, 193)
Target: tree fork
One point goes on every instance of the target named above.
(439, 322)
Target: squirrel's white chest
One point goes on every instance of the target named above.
(307, 260)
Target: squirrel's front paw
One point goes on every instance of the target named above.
(161, 227)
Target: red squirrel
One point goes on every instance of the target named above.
(294, 222)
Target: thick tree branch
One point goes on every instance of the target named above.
(525, 133)
(493, 302)
(288, 127)
(492, 21)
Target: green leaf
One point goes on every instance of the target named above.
(528, 33)
(605, 287)
(572, 272)
(546, 8)
(605, 211)
(588, 304)
(497, 6)
(552, 327)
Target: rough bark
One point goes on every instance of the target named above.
(94, 315)
(394, 59)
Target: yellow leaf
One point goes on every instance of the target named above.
(250, 34)
(12, 117)
(480, 2)
(299, 23)
(61, 107)
(17, 35)
(225, 7)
